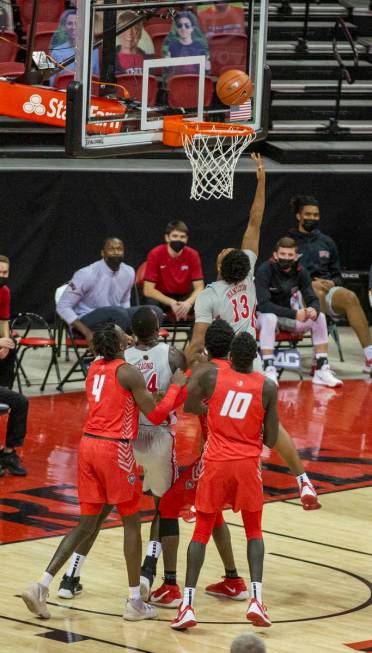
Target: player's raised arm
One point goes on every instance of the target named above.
(251, 236)
(131, 379)
(200, 387)
(271, 419)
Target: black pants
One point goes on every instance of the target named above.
(121, 316)
(7, 369)
(17, 420)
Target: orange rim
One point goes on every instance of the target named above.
(176, 127)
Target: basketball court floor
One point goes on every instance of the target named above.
(318, 578)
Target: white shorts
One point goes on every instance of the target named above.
(328, 301)
(154, 450)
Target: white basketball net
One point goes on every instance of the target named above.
(213, 159)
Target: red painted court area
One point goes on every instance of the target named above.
(332, 428)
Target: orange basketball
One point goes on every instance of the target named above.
(234, 87)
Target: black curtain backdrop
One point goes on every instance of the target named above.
(53, 222)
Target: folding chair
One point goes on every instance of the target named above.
(24, 323)
(84, 357)
(333, 332)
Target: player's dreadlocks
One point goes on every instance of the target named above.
(298, 202)
(243, 352)
(145, 323)
(235, 266)
(106, 341)
(218, 338)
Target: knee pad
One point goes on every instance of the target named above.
(168, 527)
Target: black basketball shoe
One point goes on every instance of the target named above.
(69, 587)
(12, 462)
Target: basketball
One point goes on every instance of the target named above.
(234, 87)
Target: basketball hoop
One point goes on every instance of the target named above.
(213, 149)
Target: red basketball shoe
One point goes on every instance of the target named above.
(309, 497)
(233, 588)
(185, 618)
(166, 596)
(257, 614)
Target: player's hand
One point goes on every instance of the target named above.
(4, 351)
(7, 342)
(158, 395)
(301, 315)
(260, 168)
(311, 313)
(179, 378)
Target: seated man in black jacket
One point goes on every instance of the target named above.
(320, 257)
(283, 286)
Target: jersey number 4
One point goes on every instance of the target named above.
(152, 383)
(98, 382)
(236, 404)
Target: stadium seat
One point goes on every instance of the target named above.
(183, 91)
(62, 81)
(133, 83)
(25, 324)
(42, 40)
(49, 11)
(11, 68)
(8, 46)
(228, 51)
(158, 40)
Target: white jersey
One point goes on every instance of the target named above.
(235, 304)
(154, 365)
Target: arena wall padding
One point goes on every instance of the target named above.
(53, 222)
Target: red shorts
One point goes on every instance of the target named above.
(181, 496)
(236, 483)
(107, 473)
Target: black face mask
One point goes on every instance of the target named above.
(310, 225)
(177, 245)
(3, 281)
(114, 262)
(285, 265)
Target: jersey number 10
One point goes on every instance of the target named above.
(236, 404)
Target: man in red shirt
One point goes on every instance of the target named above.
(107, 473)
(174, 275)
(18, 404)
(241, 404)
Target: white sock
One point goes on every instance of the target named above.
(368, 352)
(301, 479)
(46, 579)
(134, 593)
(256, 591)
(188, 597)
(76, 563)
(153, 549)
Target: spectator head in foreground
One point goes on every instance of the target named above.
(247, 643)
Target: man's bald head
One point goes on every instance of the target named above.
(247, 643)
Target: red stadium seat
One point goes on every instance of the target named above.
(42, 40)
(133, 84)
(228, 51)
(8, 46)
(62, 81)
(158, 40)
(11, 68)
(49, 11)
(183, 91)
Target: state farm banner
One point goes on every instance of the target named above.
(48, 106)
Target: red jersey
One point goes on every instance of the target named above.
(235, 416)
(173, 275)
(113, 412)
(4, 303)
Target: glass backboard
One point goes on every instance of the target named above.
(154, 59)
